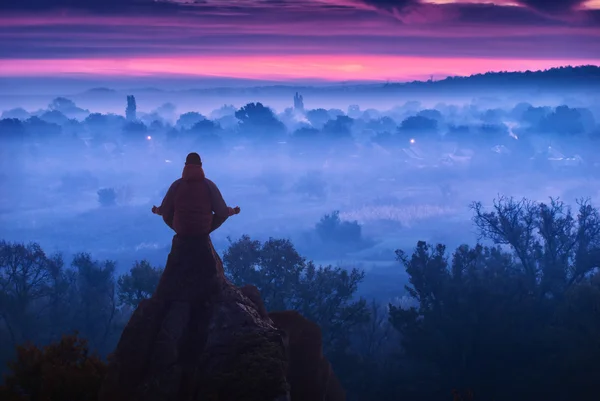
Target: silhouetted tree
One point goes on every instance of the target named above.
(305, 140)
(17, 113)
(383, 124)
(135, 131)
(339, 129)
(188, 120)
(259, 122)
(67, 107)
(95, 298)
(563, 121)
(331, 229)
(287, 281)
(42, 130)
(138, 284)
(54, 117)
(554, 248)
(64, 370)
(24, 279)
(431, 114)
(318, 117)
(418, 126)
(12, 129)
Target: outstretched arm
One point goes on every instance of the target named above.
(167, 207)
(219, 207)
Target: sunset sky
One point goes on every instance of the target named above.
(335, 40)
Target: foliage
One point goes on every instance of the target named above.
(135, 131)
(418, 124)
(258, 121)
(96, 297)
(286, 280)
(332, 230)
(64, 370)
(11, 129)
(25, 274)
(515, 319)
(501, 322)
(318, 117)
(138, 284)
(188, 120)
(338, 128)
(555, 248)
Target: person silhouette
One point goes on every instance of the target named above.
(193, 205)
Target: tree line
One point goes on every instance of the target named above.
(257, 124)
(515, 317)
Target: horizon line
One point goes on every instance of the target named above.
(258, 82)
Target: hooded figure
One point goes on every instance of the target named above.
(193, 205)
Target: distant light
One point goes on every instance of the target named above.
(167, 161)
(412, 141)
(148, 137)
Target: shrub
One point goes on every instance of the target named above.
(107, 197)
(64, 370)
(331, 229)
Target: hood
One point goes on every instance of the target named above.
(193, 172)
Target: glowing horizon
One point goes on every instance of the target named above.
(280, 68)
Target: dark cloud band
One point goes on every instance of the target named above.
(97, 6)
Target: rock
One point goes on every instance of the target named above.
(309, 375)
(198, 338)
(253, 294)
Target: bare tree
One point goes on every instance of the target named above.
(555, 248)
(24, 277)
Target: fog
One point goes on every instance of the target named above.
(77, 175)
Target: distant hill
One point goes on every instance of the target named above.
(563, 77)
(190, 93)
(587, 74)
(555, 77)
(100, 91)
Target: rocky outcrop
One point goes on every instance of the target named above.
(309, 373)
(198, 338)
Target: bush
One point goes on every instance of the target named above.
(64, 370)
(107, 197)
(332, 230)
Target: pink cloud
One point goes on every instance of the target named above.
(334, 68)
(366, 39)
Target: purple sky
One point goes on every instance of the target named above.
(287, 39)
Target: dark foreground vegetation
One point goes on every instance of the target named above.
(519, 320)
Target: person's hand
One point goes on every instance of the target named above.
(154, 210)
(236, 210)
